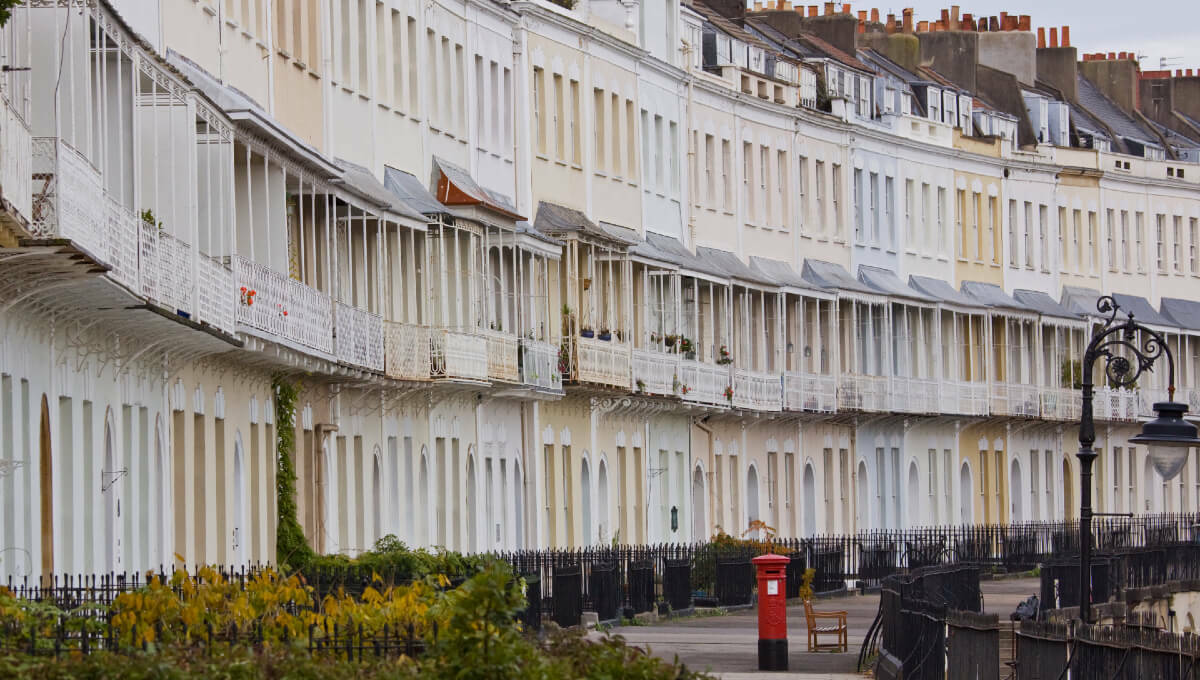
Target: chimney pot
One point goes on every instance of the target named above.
(1066, 36)
(908, 20)
(846, 8)
(829, 8)
(953, 26)
(1024, 22)
(1189, 73)
(946, 17)
(813, 10)
(1054, 36)
(758, 5)
(875, 15)
(1112, 55)
(787, 5)
(993, 24)
(862, 15)
(922, 26)
(1012, 23)
(1178, 73)
(1003, 18)
(1041, 36)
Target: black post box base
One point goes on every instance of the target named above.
(772, 655)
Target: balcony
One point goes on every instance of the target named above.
(405, 351)
(281, 306)
(1119, 404)
(757, 391)
(603, 362)
(703, 383)
(165, 269)
(502, 357)
(215, 294)
(810, 392)
(64, 204)
(654, 372)
(914, 395)
(358, 336)
(1011, 399)
(16, 175)
(964, 397)
(539, 365)
(458, 356)
(862, 393)
(1061, 403)
(1149, 396)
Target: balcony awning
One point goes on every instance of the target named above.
(243, 110)
(993, 296)
(886, 282)
(734, 266)
(409, 190)
(646, 251)
(455, 186)
(361, 181)
(532, 239)
(553, 218)
(943, 291)
(1142, 310)
(784, 275)
(686, 259)
(1080, 300)
(1185, 313)
(834, 277)
(1044, 304)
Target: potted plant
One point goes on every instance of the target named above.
(669, 340)
(723, 357)
(729, 393)
(687, 348)
(641, 385)
(248, 296)
(605, 334)
(587, 333)
(655, 338)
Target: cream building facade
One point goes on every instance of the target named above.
(546, 277)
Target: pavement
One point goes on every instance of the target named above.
(726, 645)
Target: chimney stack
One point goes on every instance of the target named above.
(1054, 36)
(1066, 36)
(1041, 37)
(908, 20)
(922, 26)
(968, 22)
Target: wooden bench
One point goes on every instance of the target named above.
(817, 627)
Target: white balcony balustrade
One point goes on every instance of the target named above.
(702, 383)
(67, 196)
(862, 393)
(358, 336)
(165, 273)
(502, 357)
(964, 397)
(215, 295)
(757, 391)
(539, 365)
(913, 395)
(120, 243)
(1061, 403)
(1119, 404)
(654, 372)
(603, 362)
(810, 392)
(278, 305)
(458, 355)
(16, 153)
(406, 351)
(1010, 399)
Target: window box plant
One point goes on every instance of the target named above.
(723, 358)
(605, 334)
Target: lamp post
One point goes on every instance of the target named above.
(1167, 437)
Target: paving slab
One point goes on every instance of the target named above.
(727, 645)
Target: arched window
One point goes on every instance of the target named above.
(751, 495)
(810, 500)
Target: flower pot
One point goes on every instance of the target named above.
(690, 356)
(587, 334)
(606, 336)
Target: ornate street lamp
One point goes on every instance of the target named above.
(1168, 437)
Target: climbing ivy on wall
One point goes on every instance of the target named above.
(291, 548)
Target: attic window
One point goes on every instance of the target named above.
(1179, 173)
(1170, 172)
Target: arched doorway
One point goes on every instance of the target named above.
(914, 495)
(472, 492)
(810, 500)
(751, 496)
(860, 500)
(585, 489)
(46, 488)
(602, 510)
(1016, 491)
(423, 499)
(966, 509)
(1068, 489)
(377, 499)
(238, 533)
(699, 524)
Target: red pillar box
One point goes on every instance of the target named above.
(772, 612)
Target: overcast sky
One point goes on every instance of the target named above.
(1154, 28)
